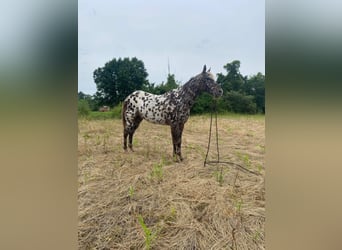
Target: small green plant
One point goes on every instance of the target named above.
(262, 148)
(219, 176)
(165, 160)
(86, 177)
(98, 141)
(131, 192)
(245, 158)
(147, 151)
(259, 167)
(135, 142)
(171, 216)
(157, 171)
(148, 234)
(86, 137)
(257, 235)
(87, 149)
(247, 161)
(173, 213)
(197, 148)
(105, 140)
(238, 205)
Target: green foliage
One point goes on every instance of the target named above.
(255, 86)
(242, 94)
(91, 100)
(247, 161)
(82, 96)
(116, 111)
(157, 171)
(148, 234)
(131, 192)
(163, 88)
(173, 213)
(97, 115)
(240, 103)
(113, 113)
(219, 176)
(257, 235)
(202, 104)
(233, 81)
(118, 78)
(83, 108)
(259, 167)
(238, 205)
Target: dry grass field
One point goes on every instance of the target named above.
(145, 200)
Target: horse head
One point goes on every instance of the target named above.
(209, 84)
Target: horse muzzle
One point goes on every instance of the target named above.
(218, 93)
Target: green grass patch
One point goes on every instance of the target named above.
(148, 234)
(113, 113)
(157, 171)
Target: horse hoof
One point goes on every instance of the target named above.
(177, 158)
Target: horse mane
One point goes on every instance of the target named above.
(191, 85)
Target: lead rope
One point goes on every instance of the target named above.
(217, 146)
(214, 110)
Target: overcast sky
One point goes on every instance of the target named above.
(190, 33)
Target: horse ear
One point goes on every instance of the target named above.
(209, 69)
(204, 68)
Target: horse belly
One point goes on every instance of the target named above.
(151, 107)
(154, 116)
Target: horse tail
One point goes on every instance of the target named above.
(123, 114)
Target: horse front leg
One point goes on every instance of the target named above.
(125, 135)
(176, 132)
(130, 138)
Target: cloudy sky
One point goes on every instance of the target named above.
(187, 33)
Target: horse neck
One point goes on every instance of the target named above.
(189, 92)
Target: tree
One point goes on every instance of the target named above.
(83, 108)
(233, 81)
(255, 86)
(203, 104)
(118, 78)
(240, 103)
(81, 95)
(169, 85)
(92, 102)
(242, 94)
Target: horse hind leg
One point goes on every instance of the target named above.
(125, 125)
(135, 125)
(128, 132)
(125, 139)
(176, 132)
(130, 138)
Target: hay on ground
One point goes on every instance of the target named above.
(185, 205)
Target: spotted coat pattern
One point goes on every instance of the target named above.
(171, 108)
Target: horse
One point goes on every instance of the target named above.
(171, 108)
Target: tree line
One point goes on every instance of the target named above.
(120, 77)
